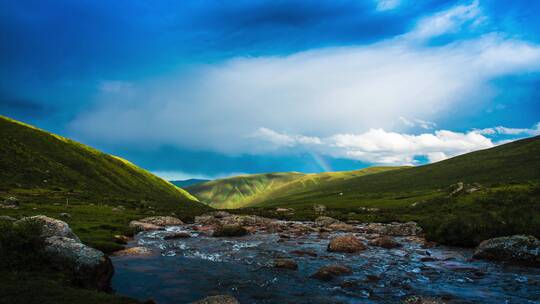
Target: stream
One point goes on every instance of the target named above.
(188, 269)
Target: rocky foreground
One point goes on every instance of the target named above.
(325, 250)
(327, 247)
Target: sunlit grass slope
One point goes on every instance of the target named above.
(238, 191)
(513, 163)
(37, 163)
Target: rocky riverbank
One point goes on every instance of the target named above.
(262, 260)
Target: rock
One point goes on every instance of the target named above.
(11, 201)
(162, 221)
(52, 227)
(323, 221)
(7, 218)
(221, 214)
(284, 210)
(285, 264)
(177, 235)
(385, 242)
(229, 230)
(206, 220)
(135, 251)
(320, 209)
(65, 215)
(341, 227)
(347, 243)
(517, 248)
(89, 266)
(221, 299)
(121, 239)
(395, 229)
(421, 300)
(140, 226)
(327, 273)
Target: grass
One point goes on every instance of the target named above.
(35, 160)
(27, 277)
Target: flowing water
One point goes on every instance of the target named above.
(186, 270)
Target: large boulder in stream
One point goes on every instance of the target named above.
(516, 248)
(229, 230)
(346, 243)
(221, 299)
(88, 267)
(327, 273)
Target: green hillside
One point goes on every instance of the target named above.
(34, 163)
(238, 191)
(49, 174)
(512, 163)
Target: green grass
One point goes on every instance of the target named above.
(238, 191)
(34, 160)
(516, 162)
(26, 276)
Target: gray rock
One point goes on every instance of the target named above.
(52, 227)
(323, 221)
(11, 201)
(89, 266)
(162, 221)
(221, 299)
(517, 248)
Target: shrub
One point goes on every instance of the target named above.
(20, 245)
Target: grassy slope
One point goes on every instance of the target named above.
(516, 162)
(34, 159)
(188, 182)
(311, 182)
(238, 191)
(50, 175)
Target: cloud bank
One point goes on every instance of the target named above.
(339, 101)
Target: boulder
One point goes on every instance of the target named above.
(121, 239)
(162, 221)
(323, 221)
(229, 230)
(320, 209)
(341, 227)
(134, 251)
(141, 226)
(221, 299)
(206, 220)
(11, 201)
(395, 229)
(327, 273)
(90, 267)
(385, 242)
(517, 248)
(285, 264)
(422, 300)
(52, 227)
(346, 243)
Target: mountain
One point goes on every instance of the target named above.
(238, 191)
(511, 163)
(39, 166)
(188, 182)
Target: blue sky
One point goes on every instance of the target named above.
(214, 88)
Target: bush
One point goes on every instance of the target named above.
(20, 245)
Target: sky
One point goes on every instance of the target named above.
(207, 89)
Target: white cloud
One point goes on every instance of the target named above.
(234, 107)
(418, 122)
(448, 21)
(385, 5)
(535, 130)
